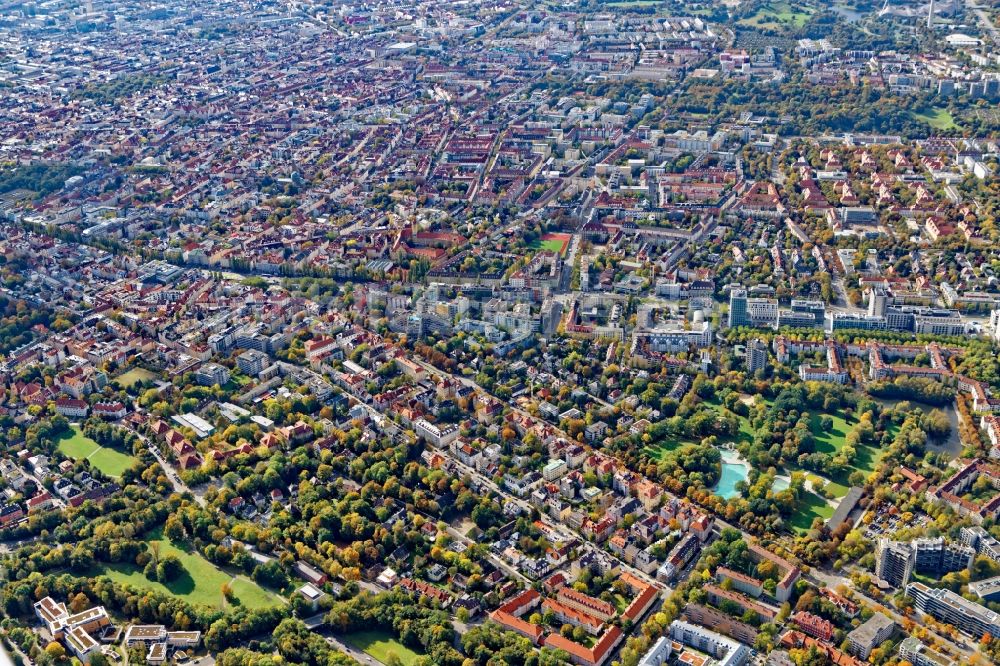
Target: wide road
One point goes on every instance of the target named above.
(984, 20)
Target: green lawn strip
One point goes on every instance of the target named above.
(659, 450)
(746, 433)
(134, 376)
(111, 462)
(866, 458)
(831, 441)
(811, 506)
(80, 447)
(76, 445)
(777, 15)
(836, 489)
(929, 581)
(380, 645)
(936, 117)
(553, 246)
(252, 595)
(201, 583)
(548, 245)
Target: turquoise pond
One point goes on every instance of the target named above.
(733, 471)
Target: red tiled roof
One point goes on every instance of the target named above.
(591, 656)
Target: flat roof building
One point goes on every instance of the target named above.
(878, 629)
(946, 606)
(918, 654)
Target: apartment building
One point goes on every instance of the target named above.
(875, 631)
(438, 435)
(918, 654)
(946, 606)
(725, 650)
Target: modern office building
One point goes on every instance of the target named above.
(756, 355)
(764, 312)
(897, 561)
(918, 654)
(878, 629)
(211, 374)
(803, 313)
(894, 562)
(956, 610)
(836, 321)
(937, 557)
(910, 318)
(878, 302)
(738, 314)
(982, 541)
(987, 589)
(658, 654)
(251, 362)
(725, 650)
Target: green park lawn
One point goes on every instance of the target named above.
(201, 583)
(659, 450)
(867, 458)
(134, 376)
(777, 15)
(831, 442)
(380, 645)
(78, 446)
(812, 506)
(834, 488)
(937, 117)
(746, 432)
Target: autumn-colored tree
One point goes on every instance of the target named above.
(55, 650)
(79, 603)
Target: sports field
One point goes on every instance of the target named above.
(558, 243)
(134, 376)
(78, 446)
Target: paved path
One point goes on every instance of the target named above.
(984, 20)
(357, 655)
(168, 469)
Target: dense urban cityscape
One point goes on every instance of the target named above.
(411, 333)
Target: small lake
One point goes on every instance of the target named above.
(951, 446)
(849, 14)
